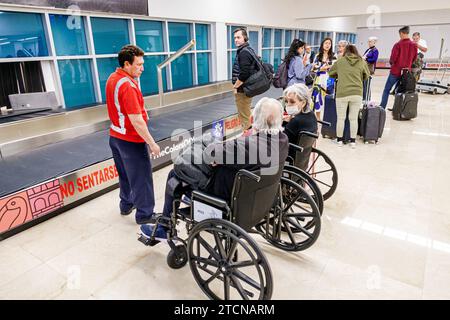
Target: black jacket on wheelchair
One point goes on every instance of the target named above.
(250, 153)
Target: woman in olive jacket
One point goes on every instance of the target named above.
(351, 71)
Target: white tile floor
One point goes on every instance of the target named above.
(385, 232)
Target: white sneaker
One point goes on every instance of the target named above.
(353, 145)
(339, 143)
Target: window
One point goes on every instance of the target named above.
(149, 78)
(105, 66)
(277, 38)
(229, 36)
(76, 78)
(203, 67)
(231, 58)
(302, 36)
(179, 35)
(181, 68)
(311, 38)
(277, 58)
(267, 38)
(266, 55)
(69, 35)
(22, 35)
(110, 35)
(201, 36)
(149, 35)
(287, 38)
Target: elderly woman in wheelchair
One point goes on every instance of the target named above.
(301, 128)
(242, 197)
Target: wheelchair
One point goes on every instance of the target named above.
(224, 259)
(315, 163)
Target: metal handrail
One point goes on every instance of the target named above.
(164, 64)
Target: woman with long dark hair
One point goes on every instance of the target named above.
(322, 63)
(298, 67)
(352, 71)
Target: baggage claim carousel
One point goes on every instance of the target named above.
(43, 182)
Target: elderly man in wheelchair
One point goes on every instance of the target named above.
(245, 193)
(266, 148)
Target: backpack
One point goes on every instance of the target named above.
(280, 80)
(407, 82)
(260, 81)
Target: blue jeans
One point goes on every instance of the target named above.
(390, 82)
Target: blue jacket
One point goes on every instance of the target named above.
(371, 55)
(297, 72)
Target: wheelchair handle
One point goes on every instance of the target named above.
(296, 147)
(309, 134)
(250, 175)
(324, 123)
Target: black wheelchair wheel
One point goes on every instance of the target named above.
(306, 182)
(324, 172)
(292, 225)
(177, 258)
(219, 271)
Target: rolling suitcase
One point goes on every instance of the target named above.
(405, 106)
(372, 122)
(330, 115)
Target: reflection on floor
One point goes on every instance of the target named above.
(385, 232)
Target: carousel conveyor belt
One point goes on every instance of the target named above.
(30, 168)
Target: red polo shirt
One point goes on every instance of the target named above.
(123, 97)
(403, 55)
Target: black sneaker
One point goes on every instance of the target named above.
(151, 220)
(127, 212)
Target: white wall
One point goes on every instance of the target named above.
(433, 25)
(282, 14)
(220, 48)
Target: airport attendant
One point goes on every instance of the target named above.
(129, 135)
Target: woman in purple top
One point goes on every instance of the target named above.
(298, 64)
(371, 55)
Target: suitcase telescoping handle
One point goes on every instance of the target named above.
(309, 134)
(295, 147)
(324, 123)
(367, 94)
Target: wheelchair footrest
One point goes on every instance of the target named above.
(147, 241)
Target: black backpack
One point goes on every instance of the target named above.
(280, 80)
(407, 82)
(260, 81)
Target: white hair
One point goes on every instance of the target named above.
(268, 116)
(343, 42)
(302, 93)
(373, 39)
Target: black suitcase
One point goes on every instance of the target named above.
(405, 106)
(371, 123)
(330, 115)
